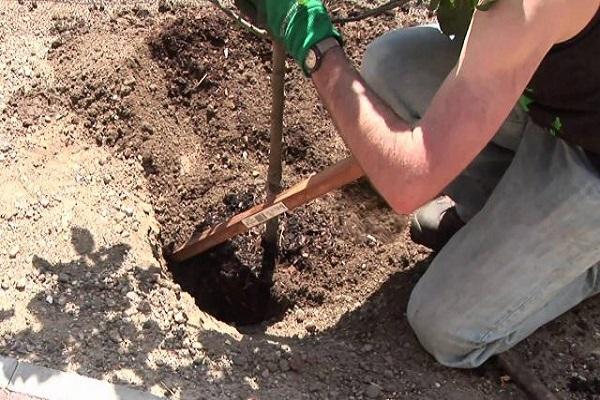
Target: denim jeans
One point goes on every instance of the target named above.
(530, 250)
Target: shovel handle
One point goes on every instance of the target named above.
(334, 177)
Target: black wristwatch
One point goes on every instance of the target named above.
(314, 57)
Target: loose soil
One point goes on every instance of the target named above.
(183, 95)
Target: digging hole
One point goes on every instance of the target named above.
(228, 288)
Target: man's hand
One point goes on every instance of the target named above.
(299, 24)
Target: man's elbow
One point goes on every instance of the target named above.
(405, 203)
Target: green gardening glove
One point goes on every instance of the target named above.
(299, 24)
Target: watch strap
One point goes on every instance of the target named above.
(327, 44)
(320, 49)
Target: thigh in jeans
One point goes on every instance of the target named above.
(529, 255)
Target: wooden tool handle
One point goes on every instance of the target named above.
(334, 177)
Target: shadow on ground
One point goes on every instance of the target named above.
(103, 318)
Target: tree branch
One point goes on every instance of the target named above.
(239, 20)
(372, 12)
(528, 381)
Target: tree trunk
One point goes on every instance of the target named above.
(274, 173)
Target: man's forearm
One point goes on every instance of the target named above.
(389, 152)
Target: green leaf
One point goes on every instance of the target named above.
(454, 16)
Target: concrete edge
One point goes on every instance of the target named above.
(8, 366)
(50, 384)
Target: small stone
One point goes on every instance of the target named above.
(106, 178)
(49, 299)
(367, 348)
(146, 127)
(114, 336)
(56, 43)
(44, 202)
(198, 359)
(129, 81)
(12, 253)
(373, 391)
(133, 296)
(4, 285)
(127, 210)
(180, 318)
(438, 385)
(371, 241)
(197, 346)
(21, 285)
(147, 208)
(63, 277)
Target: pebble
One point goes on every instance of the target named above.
(373, 391)
(127, 210)
(133, 296)
(180, 318)
(197, 346)
(130, 81)
(21, 285)
(12, 253)
(371, 241)
(114, 336)
(5, 147)
(147, 208)
(49, 299)
(44, 202)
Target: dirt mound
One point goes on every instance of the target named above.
(192, 104)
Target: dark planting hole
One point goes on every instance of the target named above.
(232, 290)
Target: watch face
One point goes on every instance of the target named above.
(311, 59)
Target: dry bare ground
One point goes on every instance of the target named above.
(122, 130)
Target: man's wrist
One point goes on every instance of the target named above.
(331, 66)
(315, 54)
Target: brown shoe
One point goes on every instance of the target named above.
(435, 223)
